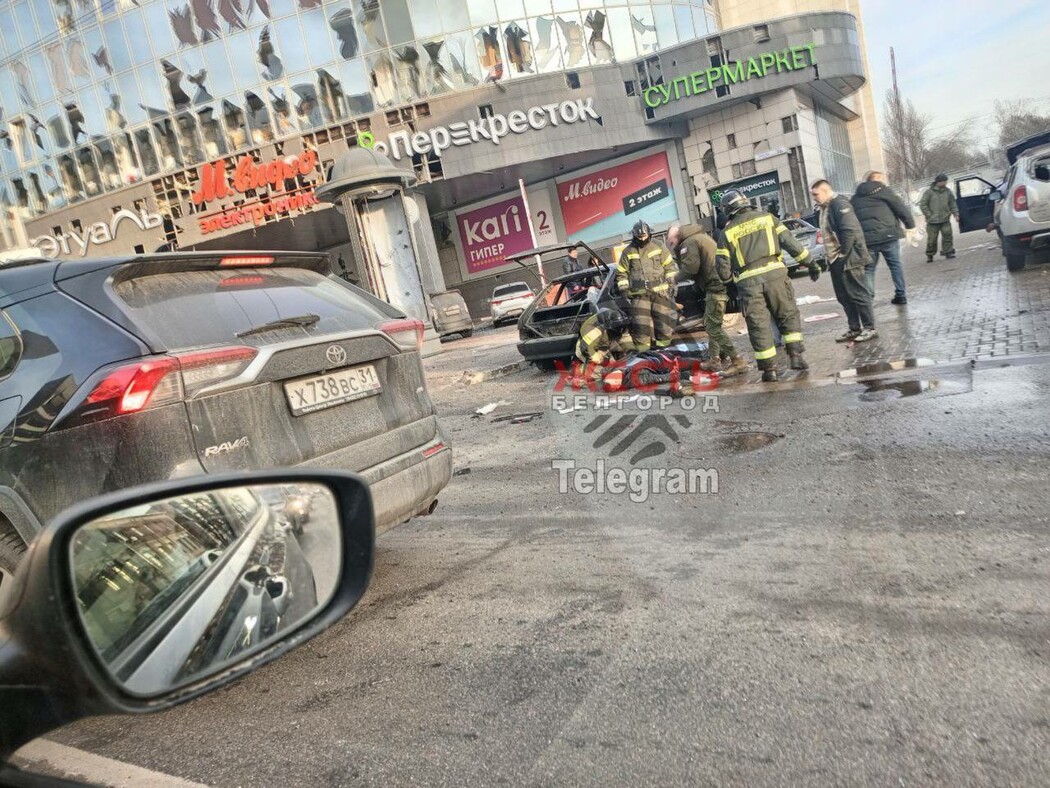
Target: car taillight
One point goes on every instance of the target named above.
(820, 237)
(159, 381)
(407, 334)
(1021, 198)
(496, 303)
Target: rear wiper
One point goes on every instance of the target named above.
(302, 321)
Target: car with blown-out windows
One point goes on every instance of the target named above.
(122, 371)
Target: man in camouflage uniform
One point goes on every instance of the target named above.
(696, 252)
(646, 274)
(749, 253)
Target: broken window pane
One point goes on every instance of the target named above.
(282, 110)
(65, 16)
(599, 42)
(127, 162)
(181, 19)
(407, 68)
(460, 58)
(60, 73)
(167, 144)
(546, 47)
(89, 171)
(306, 105)
(489, 54)
(341, 20)
(57, 128)
(232, 14)
(77, 58)
(330, 93)
(173, 75)
(355, 86)
(384, 84)
(236, 130)
(147, 152)
(207, 20)
(72, 186)
(644, 25)
(272, 67)
(258, 115)
(572, 40)
(519, 48)
(211, 133)
(370, 24)
(189, 138)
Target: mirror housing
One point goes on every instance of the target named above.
(50, 673)
(996, 196)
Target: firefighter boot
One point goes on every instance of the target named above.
(797, 362)
(769, 376)
(737, 366)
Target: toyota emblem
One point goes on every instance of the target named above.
(336, 355)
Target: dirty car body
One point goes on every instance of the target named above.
(811, 238)
(549, 329)
(139, 369)
(450, 314)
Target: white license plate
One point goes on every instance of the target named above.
(451, 310)
(308, 395)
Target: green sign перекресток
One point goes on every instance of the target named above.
(790, 59)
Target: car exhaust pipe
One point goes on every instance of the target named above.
(429, 510)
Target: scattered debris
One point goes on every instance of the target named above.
(485, 410)
(817, 318)
(519, 418)
(961, 513)
(810, 299)
(461, 471)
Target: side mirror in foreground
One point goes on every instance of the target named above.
(143, 599)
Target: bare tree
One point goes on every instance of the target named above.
(906, 138)
(949, 153)
(1020, 119)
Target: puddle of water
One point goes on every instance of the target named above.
(881, 390)
(880, 367)
(746, 441)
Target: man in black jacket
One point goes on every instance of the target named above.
(847, 255)
(881, 213)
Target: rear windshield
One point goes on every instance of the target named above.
(505, 290)
(202, 308)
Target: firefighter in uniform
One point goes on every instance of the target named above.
(646, 274)
(749, 253)
(603, 337)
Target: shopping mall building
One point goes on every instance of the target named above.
(137, 125)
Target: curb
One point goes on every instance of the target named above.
(474, 378)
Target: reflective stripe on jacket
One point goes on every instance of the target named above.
(751, 244)
(649, 268)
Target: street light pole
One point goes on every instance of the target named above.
(532, 230)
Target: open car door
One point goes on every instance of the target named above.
(976, 206)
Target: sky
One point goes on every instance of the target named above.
(955, 58)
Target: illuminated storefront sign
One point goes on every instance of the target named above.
(214, 184)
(492, 128)
(700, 82)
(755, 186)
(97, 234)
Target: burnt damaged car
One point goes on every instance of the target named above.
(548, 330)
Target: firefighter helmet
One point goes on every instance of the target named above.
(641, 232)
(733, 201)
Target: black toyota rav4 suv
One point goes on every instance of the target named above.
(117, 372)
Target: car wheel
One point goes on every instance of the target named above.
(1015, 260)
(546, 364)
(12, 549)
(467, 334)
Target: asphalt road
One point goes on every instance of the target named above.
(864, 600)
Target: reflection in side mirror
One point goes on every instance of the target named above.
(174, 591)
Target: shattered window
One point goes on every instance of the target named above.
(266, 52)
(211, 133)
(127, 162)
(258, 115)
(707, 162)
(89, 171)
(182, 26)
(232, 14)
(57, 128)
(572, 40)
(546, 47)
(598, 41)
(282, 109)
(173, 76)
(381, 73)
(60, 72)
(207, 20)
(644, 25)
(167, 144)
(370, 24)
(236, 130)
(147, 152)
(518, 45)
(355, 83)
(306, 105)
(189, 138)
(489, 55)
(407, 70)
(124, 105)
(77, 58)
(333, 100)
(72, 186)
(341, 20)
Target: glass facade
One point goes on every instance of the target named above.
(836, 154)
(96, 95)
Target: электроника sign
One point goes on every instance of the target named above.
(700, 82)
